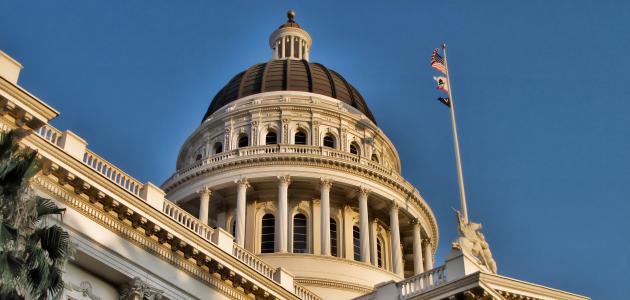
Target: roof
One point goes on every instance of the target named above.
(289, 75)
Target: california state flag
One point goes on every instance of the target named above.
(442, 83)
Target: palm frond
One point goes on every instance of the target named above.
(54, 240)
(47, 207)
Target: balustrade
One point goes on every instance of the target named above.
(253, 261)
(422, 282)
(189, 221)
(50, 134)
(112, 173)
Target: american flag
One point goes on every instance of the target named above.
(437, 62)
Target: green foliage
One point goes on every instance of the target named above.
(32, 253)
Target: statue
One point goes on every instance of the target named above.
(472, 241)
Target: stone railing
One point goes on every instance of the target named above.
(305, 294)
(113, 173)
(50, 134)
(288, 149)
(253, 261)
(422, 282)
(189, 221)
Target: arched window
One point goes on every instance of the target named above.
(374, 157)
(356, 241)
(333, 237)
(300, 138)
(299, 233)
(271, 138)
(267, 238)
(287, 47)
(379, 252)
(243, 141)
(354, 148)
(329, 140)
(296, 47)
(279, 48)
(198, 157)
(218, 148)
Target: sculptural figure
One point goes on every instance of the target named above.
(472, 241)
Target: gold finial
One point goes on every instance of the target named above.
(291, 15)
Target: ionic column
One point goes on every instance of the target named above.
(428, 257)
(241, 203)
(364, 229)
(326, 184)
(204, 204)
(418, 266)
(283, 213)
(396, 251)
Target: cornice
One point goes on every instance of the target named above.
(330, 283)
(33, 104)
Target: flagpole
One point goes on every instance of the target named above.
(460, 175)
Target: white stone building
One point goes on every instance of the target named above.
(288, 189)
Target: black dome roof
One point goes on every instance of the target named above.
(289, 75)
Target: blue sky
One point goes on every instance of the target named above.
(541, 87)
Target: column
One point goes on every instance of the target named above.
(428, 257)
(396, 251)
(281, 230)
(241, 203)
(364, 230)
(418, 266)
(204, 204)
(326, 184)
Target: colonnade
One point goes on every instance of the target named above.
(422, 256)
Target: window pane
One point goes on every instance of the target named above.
(300, 138)
(271, 138)
(329, 141)
(299, 233)
(379, 253)
(296, 47)
(243, 141)
(333, 237)
(218, 148)
(356, 239)
(287, 47)
(353, 149)
(267, 239)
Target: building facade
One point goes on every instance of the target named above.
(288, 189)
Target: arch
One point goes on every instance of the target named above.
(271, 138)
(329, 140)
(300, 137)
(355, 148)
(268, 235)
(300, 233)
(356, 242)
(333, 237)
(217, 148)
(243, 140)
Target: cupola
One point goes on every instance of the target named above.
(290, 41)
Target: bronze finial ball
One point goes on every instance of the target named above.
(291, 15)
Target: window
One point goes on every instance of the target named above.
(233, 227)
(329, 140)
(268, 236)
(198, 157)
(356, 240)
(354, 148)
(287, 47)
(271, 138)
(333, 237)
(218, 148)
(296, 47)
(379, 252)
(300, 138)
(375, 158)
(303, 49)
(243, 141)
(299, 233)
(279, 48)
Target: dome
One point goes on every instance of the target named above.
(289, 75)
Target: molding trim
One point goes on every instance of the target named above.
(333, 284)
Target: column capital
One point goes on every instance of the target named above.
(394, 206)
(242, 182)
(284, 179)
(364, 191)
(326, 182)
(138, 289)
(414, 221)
(205, 190)
(316, 201)
(427, 242)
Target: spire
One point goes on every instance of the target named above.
(290, 41)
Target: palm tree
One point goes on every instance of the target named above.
(32, 253)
